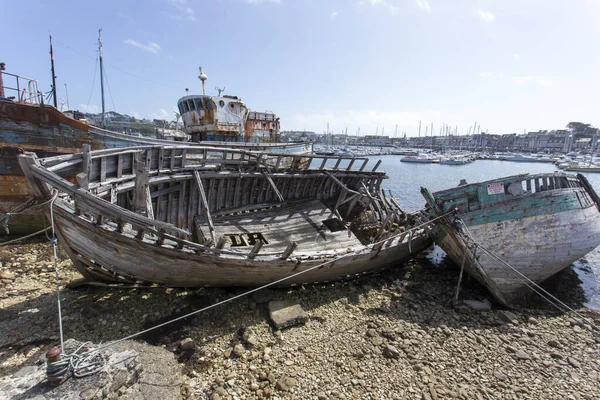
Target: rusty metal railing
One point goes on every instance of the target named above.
(25, 90)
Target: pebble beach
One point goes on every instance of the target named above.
(394, 335)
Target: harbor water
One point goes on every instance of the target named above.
(406, 179)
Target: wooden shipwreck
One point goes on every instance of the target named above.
(513, 233)
(195, 216)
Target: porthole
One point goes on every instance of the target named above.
(222, 103)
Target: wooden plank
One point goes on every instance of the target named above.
(102, 169)
(65, 165)
(180, 218)
(289, 250)
(236, 194)
(161, 157)
(119, 165)
(364, 164)
(256, 249)
(141, 184)
(87, 163)
(184, 158)
(206, 205)
(323, 163)
(113, 195)
(376, 166)
(279, 196)
(149, 210)
(350, 164)
(172, 161)
(229, 193)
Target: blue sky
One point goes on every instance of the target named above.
(374, 64)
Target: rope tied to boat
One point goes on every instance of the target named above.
(22, 209)
(60, 365)
(543, 293)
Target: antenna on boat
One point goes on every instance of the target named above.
(53, 75)
(101, 75)
(203, 78)
(67, 92)
(219, 90)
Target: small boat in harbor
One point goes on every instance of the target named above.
(420, 159)
(510, 232)
(187, 216)
(456, 160)
(583, 168)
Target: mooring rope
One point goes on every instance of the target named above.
(543, 293)
(6, 218)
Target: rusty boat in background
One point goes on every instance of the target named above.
(27, 124)
(186, 216)
(512, 233)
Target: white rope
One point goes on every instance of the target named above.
(557, 303)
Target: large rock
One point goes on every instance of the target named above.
(285, 314)
(484, 305)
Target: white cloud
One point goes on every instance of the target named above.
(134, 114)
(485, 75)
(334, 14)
(183, 11)
(89, 108)
(424, 5)
(516, 56)
(161, 113)
(543, 81)
(487, 16)
(385, 4)
(151, 47)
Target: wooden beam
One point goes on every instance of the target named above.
(289, 250)
(206, 206)
(141, 185)
(273, 186)
(87, 162)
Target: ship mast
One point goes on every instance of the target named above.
(203, 78)
(53, 74)
(101, 75)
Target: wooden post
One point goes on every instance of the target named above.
(87, 163)
(273, 186)
(141, 190)
(257, 246)
(289, 250)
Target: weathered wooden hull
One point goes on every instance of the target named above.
(47, 132)
(187, 216)
(537, 235)
(104, 248)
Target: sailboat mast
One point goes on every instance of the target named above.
(67, 93)
(53, 74)
(101, 75)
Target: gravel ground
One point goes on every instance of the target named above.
(388, 336)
